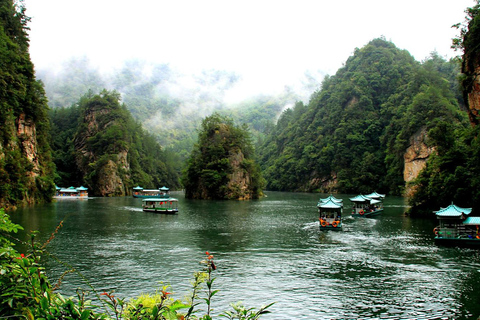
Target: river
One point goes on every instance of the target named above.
(267, 250)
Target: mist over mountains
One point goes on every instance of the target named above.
(169, 102)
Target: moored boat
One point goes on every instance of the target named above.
(367, 206)
(139, 192)
(330, 212)
(456, 227)
(71, 193)
(160, 205)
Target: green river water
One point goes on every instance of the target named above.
(267, 250)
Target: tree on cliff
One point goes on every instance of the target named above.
(26, 169)
(221, 165)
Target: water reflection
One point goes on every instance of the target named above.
(266, 250)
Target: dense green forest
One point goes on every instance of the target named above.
(222, 164)
(26, 171)
(80, 155)
(353, 134)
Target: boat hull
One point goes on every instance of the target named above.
(71, 197)
(457, 242)
(332, 228)
(160, 210)
(368, 213)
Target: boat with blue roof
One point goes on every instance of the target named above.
(71, 193)
(330, 211)
(160, 193)
(367, 205)
(457, 227)
(160, 205)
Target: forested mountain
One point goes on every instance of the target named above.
(26, 170)
(222, 164)
(98, 144)
(355, 131)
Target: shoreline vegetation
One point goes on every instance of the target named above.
(27, 292)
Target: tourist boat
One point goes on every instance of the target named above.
(139, 192)
(367, 206)
(71, 193)
(330, 212)
(456, 227)
(160, 205)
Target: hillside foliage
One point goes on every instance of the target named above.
(352, 135)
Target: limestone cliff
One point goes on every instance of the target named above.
(471, 87)
(415, 158)
(27, 137)
(239, 179)
(24, 170)
(471, 68)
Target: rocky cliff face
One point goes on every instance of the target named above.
(471, 86)
(238, 185)
(27, 137)
(415, 158)
(471, 70)
(23, 165)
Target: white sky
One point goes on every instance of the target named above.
(271, 43)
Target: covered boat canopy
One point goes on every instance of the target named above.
(82, 188)
(138, 188)
(375, 195)
(330, 204)
(472, 221)
(360, 198)
(164, 188)
(69, 189)
(453, 211)
(159, 200)
(330, 198)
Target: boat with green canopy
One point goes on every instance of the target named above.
(71, 193)
(456, 227)
(160, 205)
(330, 197)
(139, 192)
(330, 212)
(367, 206)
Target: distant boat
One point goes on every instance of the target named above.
(160, 205)
(456, 227)
(330, 211)
(139, 192)
(367, 206)
(71, 193)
